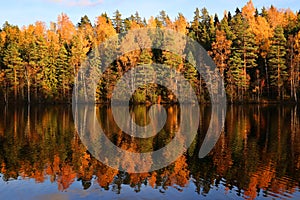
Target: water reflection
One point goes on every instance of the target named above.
(257, 155)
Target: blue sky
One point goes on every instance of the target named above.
(24, 12)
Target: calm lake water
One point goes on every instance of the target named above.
(256, 157)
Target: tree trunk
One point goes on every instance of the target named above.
(15, 84)
(28, 90)
(267, 76)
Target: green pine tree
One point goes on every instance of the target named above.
(64, 72)
(276, 61)
(117, 21)
(191, 74)
(14, 63)
(244, 52)
(146, 71)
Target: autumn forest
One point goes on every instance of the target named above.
(257, 52)
(45, 150)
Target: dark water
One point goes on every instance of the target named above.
(256, 156)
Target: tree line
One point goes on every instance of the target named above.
(257, 53)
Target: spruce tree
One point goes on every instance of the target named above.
(117, 21)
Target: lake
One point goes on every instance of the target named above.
(257, 156)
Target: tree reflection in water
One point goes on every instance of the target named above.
(258, 152)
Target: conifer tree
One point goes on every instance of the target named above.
(12, 59)
(244, 50)
(117, 21)
(276, 59)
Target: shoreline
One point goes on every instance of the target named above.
(239, 103)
